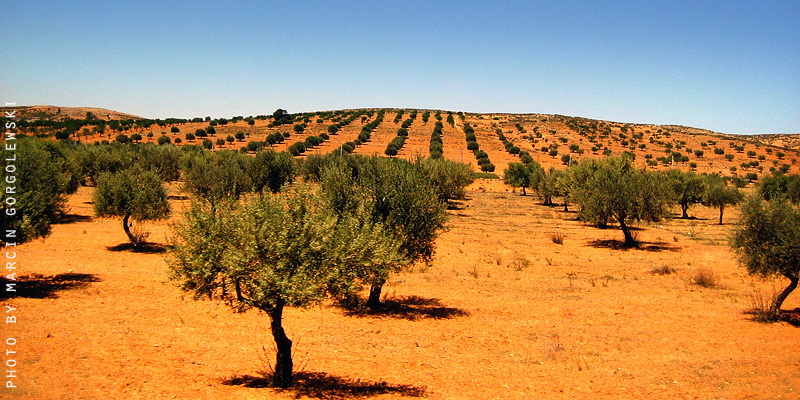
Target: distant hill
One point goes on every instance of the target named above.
(552, 140)
(61, 113)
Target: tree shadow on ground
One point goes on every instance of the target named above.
(791, 316)
(146, 247)
(72, 218)
(36, 286)
(453, 204)
(320, 385)
(620, 245)
(407, 307)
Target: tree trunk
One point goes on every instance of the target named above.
(776, 305)
(283, 359)
(127, 227)
(720, 214)
(566, 206)
(374, 300)
(523, 191)
(629, 240)
(685, 211)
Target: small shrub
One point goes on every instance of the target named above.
(557, 238)
(762, 308)
(663, 270)
(705, 277)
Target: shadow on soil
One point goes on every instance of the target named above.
(408, 307)
(72, 218)
(320, 385)
(146, 247)
(36, 286)
(792, 317)
(620, 245)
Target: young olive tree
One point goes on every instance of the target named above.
(520, 175)
(291, 250)
(131, 193)
(767, 241)
(720, 196)
(449, 178)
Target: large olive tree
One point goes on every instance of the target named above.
(276, 251)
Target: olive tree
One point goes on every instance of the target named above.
(36, 186)
(719, 195)
(687, 188)
(613, 189)
(291, 250)
(213, 176)
(131, 193)
(271, 170)
(520, 175)
(396, 193)
(767, 241)
(449, 178)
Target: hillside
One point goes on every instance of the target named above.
(56, 113)
(551, 140)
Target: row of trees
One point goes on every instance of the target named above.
(480, 155)
(524, 156)
(614, 190)
(436, 146)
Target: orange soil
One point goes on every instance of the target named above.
(503, 312)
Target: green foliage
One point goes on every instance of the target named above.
(395, 193)
(613, 189)
(521, 175)
(271, 170)
(131, 193)
(686, 188)
(717, 194)
(449, 178)
(213, 176)
(767, 241)
(290, 249)
(38, 182)
(780, 185)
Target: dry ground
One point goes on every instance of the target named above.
(503, 312)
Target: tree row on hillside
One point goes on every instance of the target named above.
(480, 155)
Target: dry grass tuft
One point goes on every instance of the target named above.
(706, 278)
(557, 238)
(761, 307)
(663, 270)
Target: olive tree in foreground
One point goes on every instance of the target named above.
(767, 241)
(131, 194)
(614, 189)
(275, 251)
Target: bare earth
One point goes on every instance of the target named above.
(503, 313)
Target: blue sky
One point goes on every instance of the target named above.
(728, 66)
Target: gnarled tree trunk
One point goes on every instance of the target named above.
(776, 305)
(126, 225)
(283, 359)
(374, 300)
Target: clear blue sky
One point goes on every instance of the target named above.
(729, 66)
